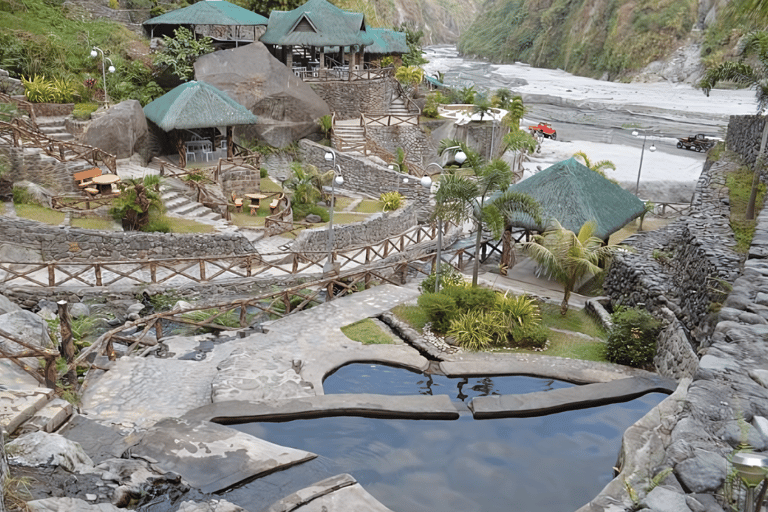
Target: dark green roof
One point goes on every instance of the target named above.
(316, 23)
(573, 194)
(385, 42)
(196, 105)
(209, 12)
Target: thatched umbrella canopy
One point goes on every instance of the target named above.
(574, 194)
(197, 105)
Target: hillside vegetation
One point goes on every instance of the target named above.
(601, 38)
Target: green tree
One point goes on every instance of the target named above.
(413, 38)
(180, 52)
(307, 183)
(501, 98)
(521, 142)
(751, 69)
(138, 199)
(264, 7)
(410, 77)
(567, 257)
(481, 196)
(482, 105)
(515, 112)
(599, 167)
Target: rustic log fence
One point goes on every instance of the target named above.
(24, 105)
(17, 134)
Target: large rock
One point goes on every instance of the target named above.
(287, 108)
(70, 505)
(121, 131)
(25, 326)
(7, 306)
(43, 449)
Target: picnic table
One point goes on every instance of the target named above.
(255, 201)
(105, 181)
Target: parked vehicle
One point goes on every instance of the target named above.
(698, 142)
(543, 129)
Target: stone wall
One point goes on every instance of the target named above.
(240, 180)
(744, 136)
(411, 138)
(50, 109)
(371, 231)
(348, 99)
(73, 244)
(3, 468)
(33, 165)
(485, 137)
(364, 176)
(76, 127)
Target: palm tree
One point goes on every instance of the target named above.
(482, 105)
(502, 98)
(462, 197)
(138, 198)
(521, 142)
(567, 257)
(599, 167)
(307, 183)
(515, 112)
(753, 47)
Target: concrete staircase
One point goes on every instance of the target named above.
(54, 128)
(347, 137)
(179, 205)
(398, 106)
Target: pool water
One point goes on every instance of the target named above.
(387, 380)
(554, 463)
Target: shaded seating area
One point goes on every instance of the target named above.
(197, 105)
(573, 194)
(210, 12)
(309, 29)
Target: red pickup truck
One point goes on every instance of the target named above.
(545, 129)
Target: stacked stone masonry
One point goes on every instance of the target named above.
(73, 244)
(348, 99)
(33, 165)
(739, 140)
(725, 403)
(410, 138)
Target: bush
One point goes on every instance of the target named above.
(392, 200)
(472, 298)
(632, 340)
(439, 308)
(159, 225)
(478, 330)
(263, 173)
(528, 335)
(431, 105)
(300, 211)
(519, 311)
(83, 111)
(21, 196)
(449, 276)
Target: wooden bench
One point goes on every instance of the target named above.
(91, 191)
(238, 203)
(273, 206)
(83, 178)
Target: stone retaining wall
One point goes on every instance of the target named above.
(33, 165)
(371, 231)
(239, 180)
(50, 109)
(73, 244)
(410, 138)
(347, 99)
(744, 136)
(367, 177)
(694, 431)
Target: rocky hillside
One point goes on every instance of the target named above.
(611, 39)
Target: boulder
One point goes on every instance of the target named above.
(313, 219)
(662, 499)
(78, 309)
(43, 449)
(7, 306)
(121, 131)
(27, 327)
(210, 506)
(704, 472)
(37, 194)
(287, 108)
(70, 505)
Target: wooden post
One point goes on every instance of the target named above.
(153, 271)
(287, 303)
(97, 273)
(243, 322)
(202, 270)
(51, 275)
(50, 372)
(158, 329)
(67, 347)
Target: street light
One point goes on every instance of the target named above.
(642, 152)
(459, 157)
(94, 54)
(330, 156)
(751, 468)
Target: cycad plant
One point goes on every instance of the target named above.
(138, 198)
(307, 183)
(462, 197)
(567, 257)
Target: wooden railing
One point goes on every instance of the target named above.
(202, 269)
(80, 203)
(392, 120)
(21, 105)
(17, 134)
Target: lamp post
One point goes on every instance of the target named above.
(459, 157)
(642, 152)
(95, 53)
(752, 469)
(330, 156)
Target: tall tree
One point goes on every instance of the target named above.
(567, 257)
(751, 70)
(480, 195)
(410, 77)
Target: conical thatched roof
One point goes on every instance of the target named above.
(197, 105)
(316, 23)
(573, 194)
(209, 12)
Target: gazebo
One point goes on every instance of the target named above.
(314, 26)
(195, 105)
(385, 42)
(207, 12)
(573, 194)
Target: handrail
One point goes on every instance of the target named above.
(402, 94)
(21, 105)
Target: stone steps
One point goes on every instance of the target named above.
(178, 205)
(54, 127)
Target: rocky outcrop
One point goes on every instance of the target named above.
(287, 108)
(120, 131)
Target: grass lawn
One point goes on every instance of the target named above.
(369, 206)
(341, 203)
(411, 314)
(188, 226)
(98, 223)
(39, 213)
(576, 320)
(739, 184)
(245, 218)
(267, 185)
(564, 345)
(366, 332)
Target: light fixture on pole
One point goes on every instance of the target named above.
(752, 469)
(459, 157)
(95, 53)
(330, 156)
(642, 152)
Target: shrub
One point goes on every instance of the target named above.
(439, 309)
(392, 200)
(430, 107)
(528, 335)
(632, 340)
(83, 111)
(21, 196)
(263, 173)
(159, 225)
(519, 311)
(472, 298)
(449, 276)
(478, 330)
